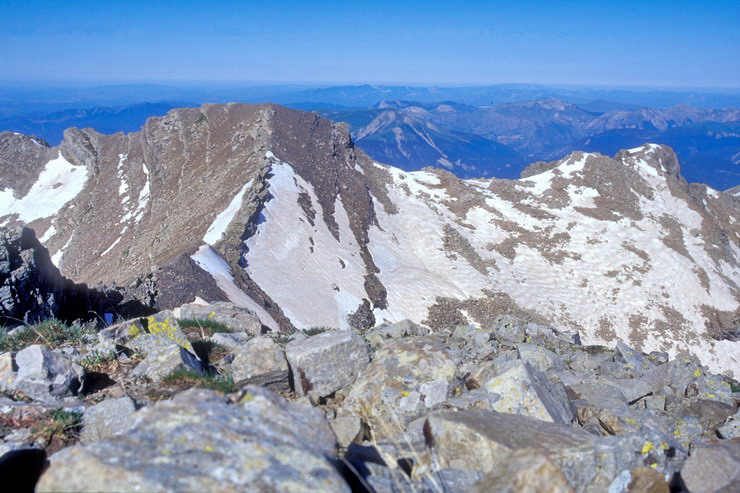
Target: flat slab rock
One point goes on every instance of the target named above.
(235, 317)
(199, 442)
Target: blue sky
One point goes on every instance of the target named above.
(642, 43)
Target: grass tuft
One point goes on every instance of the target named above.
(189, 378)
(313, 331)
(58, 425)
(51, 333)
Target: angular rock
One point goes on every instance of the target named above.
(540, 358)
(404, 328)
(639, 480)
(510, 329)
(326, 362)
(261, 362)
(8, 372)
(475, 336)
(107, 418)
(713, 468)
(406, 378)
(236, 318)
(476, 439)
(231, 340)
(526, 391)
(199, 442)
(523, 470)
(162, 361)
(731, 427)
(346, 429)
(634, 360)
(44, 374)
(474, 399)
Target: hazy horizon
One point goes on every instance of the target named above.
(665, 45)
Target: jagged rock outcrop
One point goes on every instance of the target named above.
(32, 288)
(278, 210)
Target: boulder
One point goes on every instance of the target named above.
(326, 362)
(477, 439)
(540, 358)
(639, 480)
(406, 378)
(107, 418)
(236, 318)
(261, 361)
(507, 328)
(713, 468)
(731, 427)
(346, 429)
(523, 470)
(44, 374)
(232, 340)
(8, 372)
(163, 360)
(529, 392)
(197, 441)
(634, 360)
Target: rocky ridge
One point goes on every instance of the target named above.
(510, 406)
(277, 211)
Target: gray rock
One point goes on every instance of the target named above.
(476, 336)
(107, 418)
(44, 374)
(404, 328)
(639, 480)
(8, 372)
(235, 317)
(523, 470)
(476, 439)
(261, 362)
(731, 427)
(163, 360)
(326, 362)
(346, 429)
(406, 378)
(634, 360)
(599, 393)
(199, 442)
(510, 329)
(527, 391)
(540, 358)
(713, 468)
(475, 399)
(231, 340)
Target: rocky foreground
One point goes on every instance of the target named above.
(512, 406)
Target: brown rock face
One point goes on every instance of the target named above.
(276, 210)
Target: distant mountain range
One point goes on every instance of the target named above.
(471, 131)
(501, 140)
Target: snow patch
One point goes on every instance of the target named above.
(217, 229)
(210, 261)
(59, 182)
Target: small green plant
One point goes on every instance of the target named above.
(51, 333)
(315, 331)
(734, 387)
(202, 327)
(187, 377)
(96, 359)
(58, 425)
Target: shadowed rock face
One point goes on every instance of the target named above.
(277, 210)
(32, 288)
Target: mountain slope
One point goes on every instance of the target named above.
(289, 218)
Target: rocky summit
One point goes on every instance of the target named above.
(237, 298)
